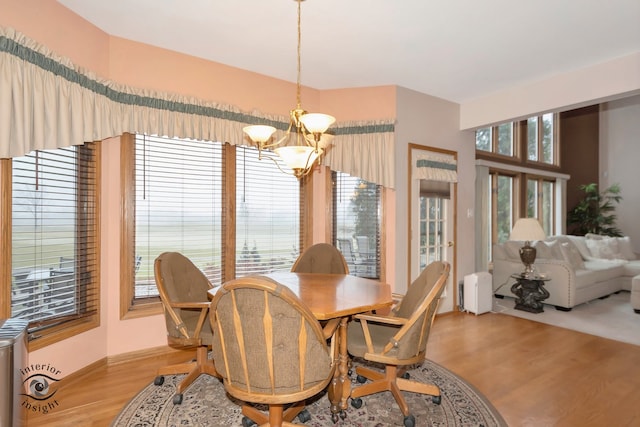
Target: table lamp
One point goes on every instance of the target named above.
(527, 230)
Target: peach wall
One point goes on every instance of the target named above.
(613, 79)
(65, 32)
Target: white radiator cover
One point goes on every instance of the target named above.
(476, 293)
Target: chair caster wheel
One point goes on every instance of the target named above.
(343, 415)
(248, 422)
(436, 399)
(356, 403)
(159, 380)
(361, 379)
(177, 399)
(409, 421)
(304, 416)
(406, 375)
(334, 418)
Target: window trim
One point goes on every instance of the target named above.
(129, 310)
(69, 328)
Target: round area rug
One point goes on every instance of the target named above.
(205, 403)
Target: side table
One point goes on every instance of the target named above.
(530, 292)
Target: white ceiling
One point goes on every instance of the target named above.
(454, 49)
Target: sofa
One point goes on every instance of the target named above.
(578, 268)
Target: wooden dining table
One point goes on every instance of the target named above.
(337, 296)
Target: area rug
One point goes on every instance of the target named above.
(610, 317)
(205, 403)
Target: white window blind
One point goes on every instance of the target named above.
(267, 215)
(356, 223)
(178, 206)
(54, 237)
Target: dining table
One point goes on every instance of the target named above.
(337, 296)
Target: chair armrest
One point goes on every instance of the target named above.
(330, 328)
(382, 319)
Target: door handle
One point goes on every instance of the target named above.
(450, 243)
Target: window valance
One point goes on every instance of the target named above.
(440, 167)
(47, 102)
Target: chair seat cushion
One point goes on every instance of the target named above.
(380, 336)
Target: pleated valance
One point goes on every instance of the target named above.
(47, 102)
(440, 167)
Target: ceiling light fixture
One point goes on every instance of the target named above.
(309, 129)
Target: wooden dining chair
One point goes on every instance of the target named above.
(321, 258)
(183, 292)
(398, 340)
(270, 349)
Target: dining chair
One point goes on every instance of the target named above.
(270, 349)
(321, 258)
(398, 340)
(183, 291)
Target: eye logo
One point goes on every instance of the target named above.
(38, 386)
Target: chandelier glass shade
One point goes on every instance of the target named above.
(305, 140)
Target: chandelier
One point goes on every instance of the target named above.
(308, 129)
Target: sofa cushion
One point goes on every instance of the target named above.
(624, 244)
(547, 250)
(572, 256)
(499, 252)
(632, 268)
(599, 271)
(605, 248)
(512, 248)
(579, 242)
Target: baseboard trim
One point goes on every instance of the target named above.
(107, 361)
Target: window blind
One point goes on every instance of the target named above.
(356, 223)
(178, 205)
(267, 215)
(54, 237)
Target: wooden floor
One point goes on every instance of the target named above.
(534, 374)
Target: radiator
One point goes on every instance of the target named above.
(476, 293)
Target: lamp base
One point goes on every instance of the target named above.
(528, 257)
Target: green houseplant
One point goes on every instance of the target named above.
(595, 213)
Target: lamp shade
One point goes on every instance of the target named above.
(297, 156)
(259, 133)
(527, 229)
(317, 122)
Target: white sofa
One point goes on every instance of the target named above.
(580, 268)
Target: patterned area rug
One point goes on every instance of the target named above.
(205, 403)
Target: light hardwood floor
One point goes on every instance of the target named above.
(534, 374)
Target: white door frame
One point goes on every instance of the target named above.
(450, 296)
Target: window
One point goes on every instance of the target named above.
(227, 211)
(432, 221)
(54, 242)
(356, 223)
(516, 190)
(178, 208)
(540, 202)
(267, 215)
(503, 207)
(541, 137)
(497, 139)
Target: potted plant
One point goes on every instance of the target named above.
(595, 213)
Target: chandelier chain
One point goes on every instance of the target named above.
(299, 68)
